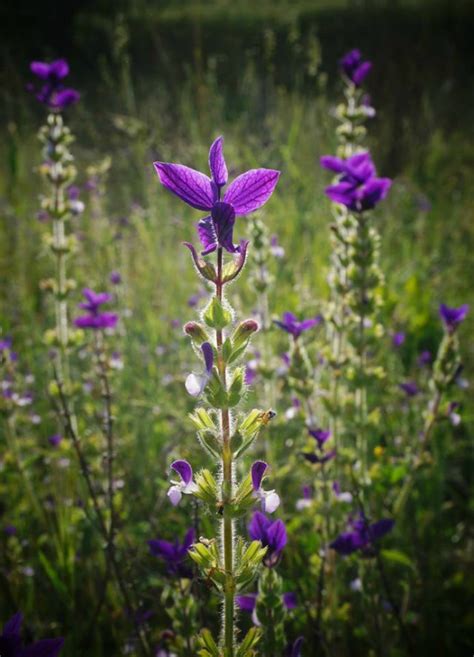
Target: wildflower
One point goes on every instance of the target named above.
(115, 278)
(358, 188)
(95, 319)
(53, 93)
(410, 388)
(340, 495)
(276, 249)
(185, 486)
(195, 383)
(272, 535)
(10, 530)
(398, 339)
(361, 534)
(291, 325)
(320, 435)
(452, 317)
(174, 554)
(453, 416)
(307, 499)
(11, 643)
(269, 499)
(248, 603)
(354, 68)
(425, 358)
(245, 194)
(55, 440)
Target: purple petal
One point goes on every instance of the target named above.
(184, 469)
(333, 163)
(380, 528)
(276, 535)
(453, 316)
(40, 69)
(258, 470)
(258, 526)
(289, 600)
(191, 186)
(375, 190)
(207, 235)
(347, 543)
(13, 625)
(101, 321)
(189, 539)
(251, 190)
(247, 602)
(361, 73)
(160, 548)
(59, 69)
(223, 216)
(208, 356)
(44, 648)
(64, 98)
(217, 163)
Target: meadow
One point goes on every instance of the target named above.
(332, 469)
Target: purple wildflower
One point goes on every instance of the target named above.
(174, 554)
(276, 249)
(307, 499)
(320, 436)
(53, 93)
(11, 643)
(271, 534)
(195, 383)
(293, 326)
(115, 278)
(10, 530)
(425, 358)
(55, 440)
(95, 319)
(410, 388)
(186, 484)
(361, 534)
(398, 339)
(245, 194)
(358, 188)
(354, 68)
(452, 317)
(269, 499)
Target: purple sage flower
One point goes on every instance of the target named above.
(95, 319)
(245, 194)
(452, 317)
(55, 440)
(398, 339)
(269, 499)
(425, 358)
(361, 534)
(320, 436)
(53, 93)
(410, 388)
(11, 644)
(185, 485)
(293, 326)
(174, 554)
(354, 68)
(195, 383)
(271, 534)
(115, 278)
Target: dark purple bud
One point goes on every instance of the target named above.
(452, 317)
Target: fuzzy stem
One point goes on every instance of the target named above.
(228, 530)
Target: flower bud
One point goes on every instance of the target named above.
(243, 332)
(196, 332)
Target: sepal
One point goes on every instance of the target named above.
(206, 269)
(207, 490)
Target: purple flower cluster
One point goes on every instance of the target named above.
(361, 534)
(271, 534)
(321, 436)
(95, 319)
(452, 317)
(358, 187)
(245, 194)
(11, 644)
(354, 68)
(53, 93)
(174, 554)
(295, 327)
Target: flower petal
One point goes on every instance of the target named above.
(184, 469)
(208, 354)
(223, 216)
(195, 384)
(276, 535)
(13, 625)
(251, 190)
(258, 470)
(43, 648)
(271, 501)
(191, 186)
(247, 602)
(217, 163)
(207, 235)
(175, 495)
(258, 526)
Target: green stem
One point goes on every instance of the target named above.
(228, 529)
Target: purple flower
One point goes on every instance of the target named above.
(354, 68)
(269, 499)
(425, 358)
(307, 499)
(361, 534)
(185, 485)
(410, 388)
(340, 495)
(452, 317)
(245, 194)
(94, 318)
(271, 534)
(398, 339)
(55, 440)
(357, 168)
(316, 458)
(195, 383)
(53, 93)
(11, 643)
(320, 436)
(174, 554)
(115, 278)
(294, 327)
(248, 603)
(276, 249)
(10, 530)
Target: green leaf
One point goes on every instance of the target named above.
(395, 556)
(216, 315)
